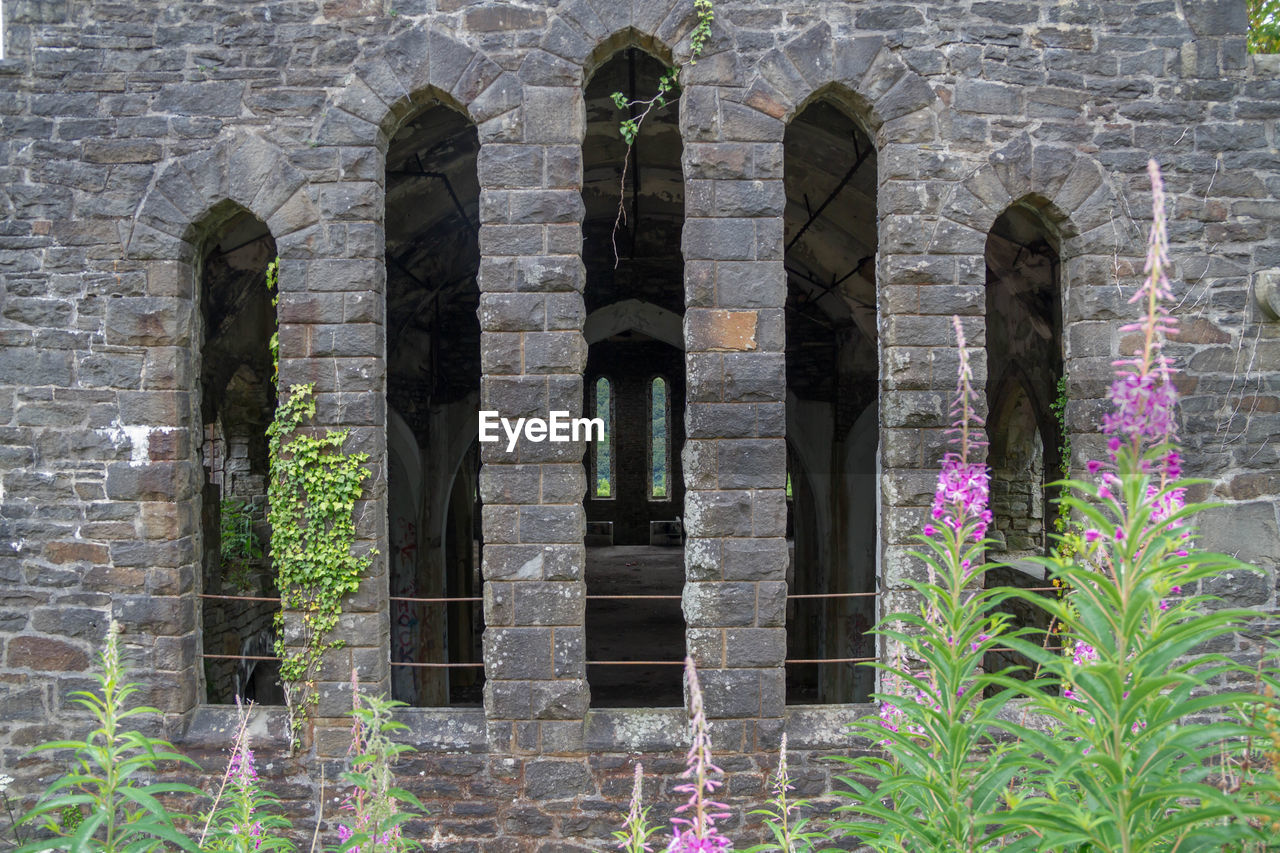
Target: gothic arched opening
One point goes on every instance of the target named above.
(239, 597)
(1024, 368)
(832, 404)
(634, 297)
(1024, 379)
(433, 397)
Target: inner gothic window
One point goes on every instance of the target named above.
(659, 429)
(602, 450)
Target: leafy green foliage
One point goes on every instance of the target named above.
(313, 491)
(379, 808)
(1127, 766)
(124, 812)
(1264, 26)
(239, 545)
(273, 344)
(659, 416)
(242, 818)
(941, 780)
(791, 833)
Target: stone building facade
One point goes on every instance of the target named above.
(440, 181)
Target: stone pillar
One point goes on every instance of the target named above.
(735, 452)
(332, 310)
(929, 269)
(533, 355)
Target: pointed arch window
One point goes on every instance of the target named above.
(659, 440)
(603, 482)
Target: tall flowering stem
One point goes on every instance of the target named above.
(1128, 766)
(378, 808)
(695, 828)
(939, 784)
(241, 819)
(782, 815)
(635, 832)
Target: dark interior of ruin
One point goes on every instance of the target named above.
(1024, 367)
(236, 405)
(830, 238)
(433, 393)
(635, 302)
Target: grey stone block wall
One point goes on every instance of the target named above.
(130, 133)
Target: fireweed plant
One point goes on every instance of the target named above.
(109, 782)
(695, 827)
(241, 819)
(939, 780)
(790, 832)
(636, 829)
(1126, 764)
(377, 808)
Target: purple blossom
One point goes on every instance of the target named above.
(698, 832)
(963, 489)
(1142, 394)
(1083, 653)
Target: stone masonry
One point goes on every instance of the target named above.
(132, 132)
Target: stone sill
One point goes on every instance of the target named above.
(445, 730)
(214, 727)
(823, 726)
(1265, 64)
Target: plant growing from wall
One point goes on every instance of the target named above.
(638, 109)
(239, 545)
(312, 493)
(273, 283)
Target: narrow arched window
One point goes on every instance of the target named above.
(659, 445)
(604, 485)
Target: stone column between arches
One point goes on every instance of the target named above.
(331, 313)
(735, 450)
(532, 358)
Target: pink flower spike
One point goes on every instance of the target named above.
(1177, 590)
(1092, 535)
(1094, 466)
(930, 530)
(1164, 605)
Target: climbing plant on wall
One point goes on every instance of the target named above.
(312, 494)
(638, 109)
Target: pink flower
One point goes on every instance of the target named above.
(698, 831)
(963, 489)
(1177, 590)
(1142, 393)
(1083, 653)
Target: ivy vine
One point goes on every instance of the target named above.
(312, 495)
(639, 108)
